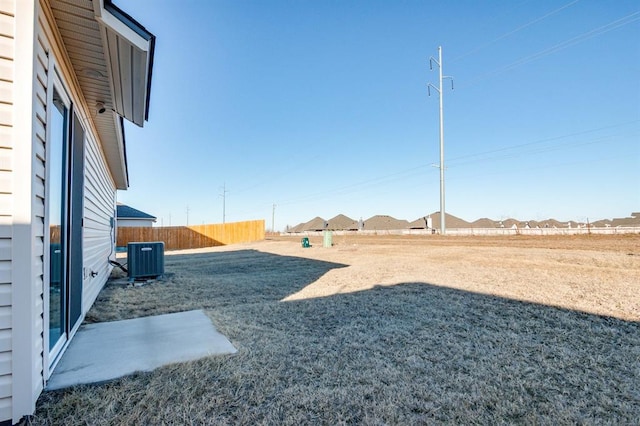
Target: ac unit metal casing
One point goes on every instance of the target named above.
(145, 260)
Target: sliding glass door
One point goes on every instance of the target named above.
(58, 175)
(65, 198)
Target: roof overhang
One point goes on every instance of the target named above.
(128, 49)
(146, 219)
(110, 57)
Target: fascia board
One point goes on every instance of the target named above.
(117, 123)
(124, 31)
(105, 17)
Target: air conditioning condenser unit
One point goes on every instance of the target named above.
(145, 260)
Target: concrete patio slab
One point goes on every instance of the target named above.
(108, 350)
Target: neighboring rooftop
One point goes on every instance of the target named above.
(342, 223)
(315, 224)
(385, 222)
(125, 212)
(633, 220)
(451, 221)
(485, 222)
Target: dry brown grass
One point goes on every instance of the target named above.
(387, 331)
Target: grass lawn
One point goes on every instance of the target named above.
(406, 331)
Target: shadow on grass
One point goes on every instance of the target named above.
(412, 353)
(210, 281)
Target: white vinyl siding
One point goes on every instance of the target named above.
(99, 209)
(41, 85)
(7, 34)
(135, 223)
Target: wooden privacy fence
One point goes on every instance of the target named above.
(198, 236)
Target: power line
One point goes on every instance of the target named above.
(479, 157)
(535, 151)
(625, 20)
(467, 177)
(454, 162)
(567, 43)
(263, 178)
(540, 141)
(539, 167)
(352, 187)
(509, 33)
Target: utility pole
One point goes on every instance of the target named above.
(273, 218)
(439, 90)
(224, 197)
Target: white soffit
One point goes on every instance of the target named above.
(82, 41)
(128, 49)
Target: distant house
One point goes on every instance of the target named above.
(421, 223)
(384, 223)
(130, 217)
(632, 221)
(315, 224)
(485, 223)
(451, 221)
(342, 223)
(70, 72)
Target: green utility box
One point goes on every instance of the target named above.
(327, 241)
(305, 242)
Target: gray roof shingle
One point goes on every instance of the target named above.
(125, 212)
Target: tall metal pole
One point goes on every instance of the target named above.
(224, 196)
(273, 218)
(443, 229)
(224, 199)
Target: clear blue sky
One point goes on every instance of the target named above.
(321, 107)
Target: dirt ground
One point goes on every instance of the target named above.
(596, 274)
(386, 330)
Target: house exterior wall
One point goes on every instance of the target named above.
(26, 250)
(30, 47)
(99, 222)
(132, 223)
(7, 49)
